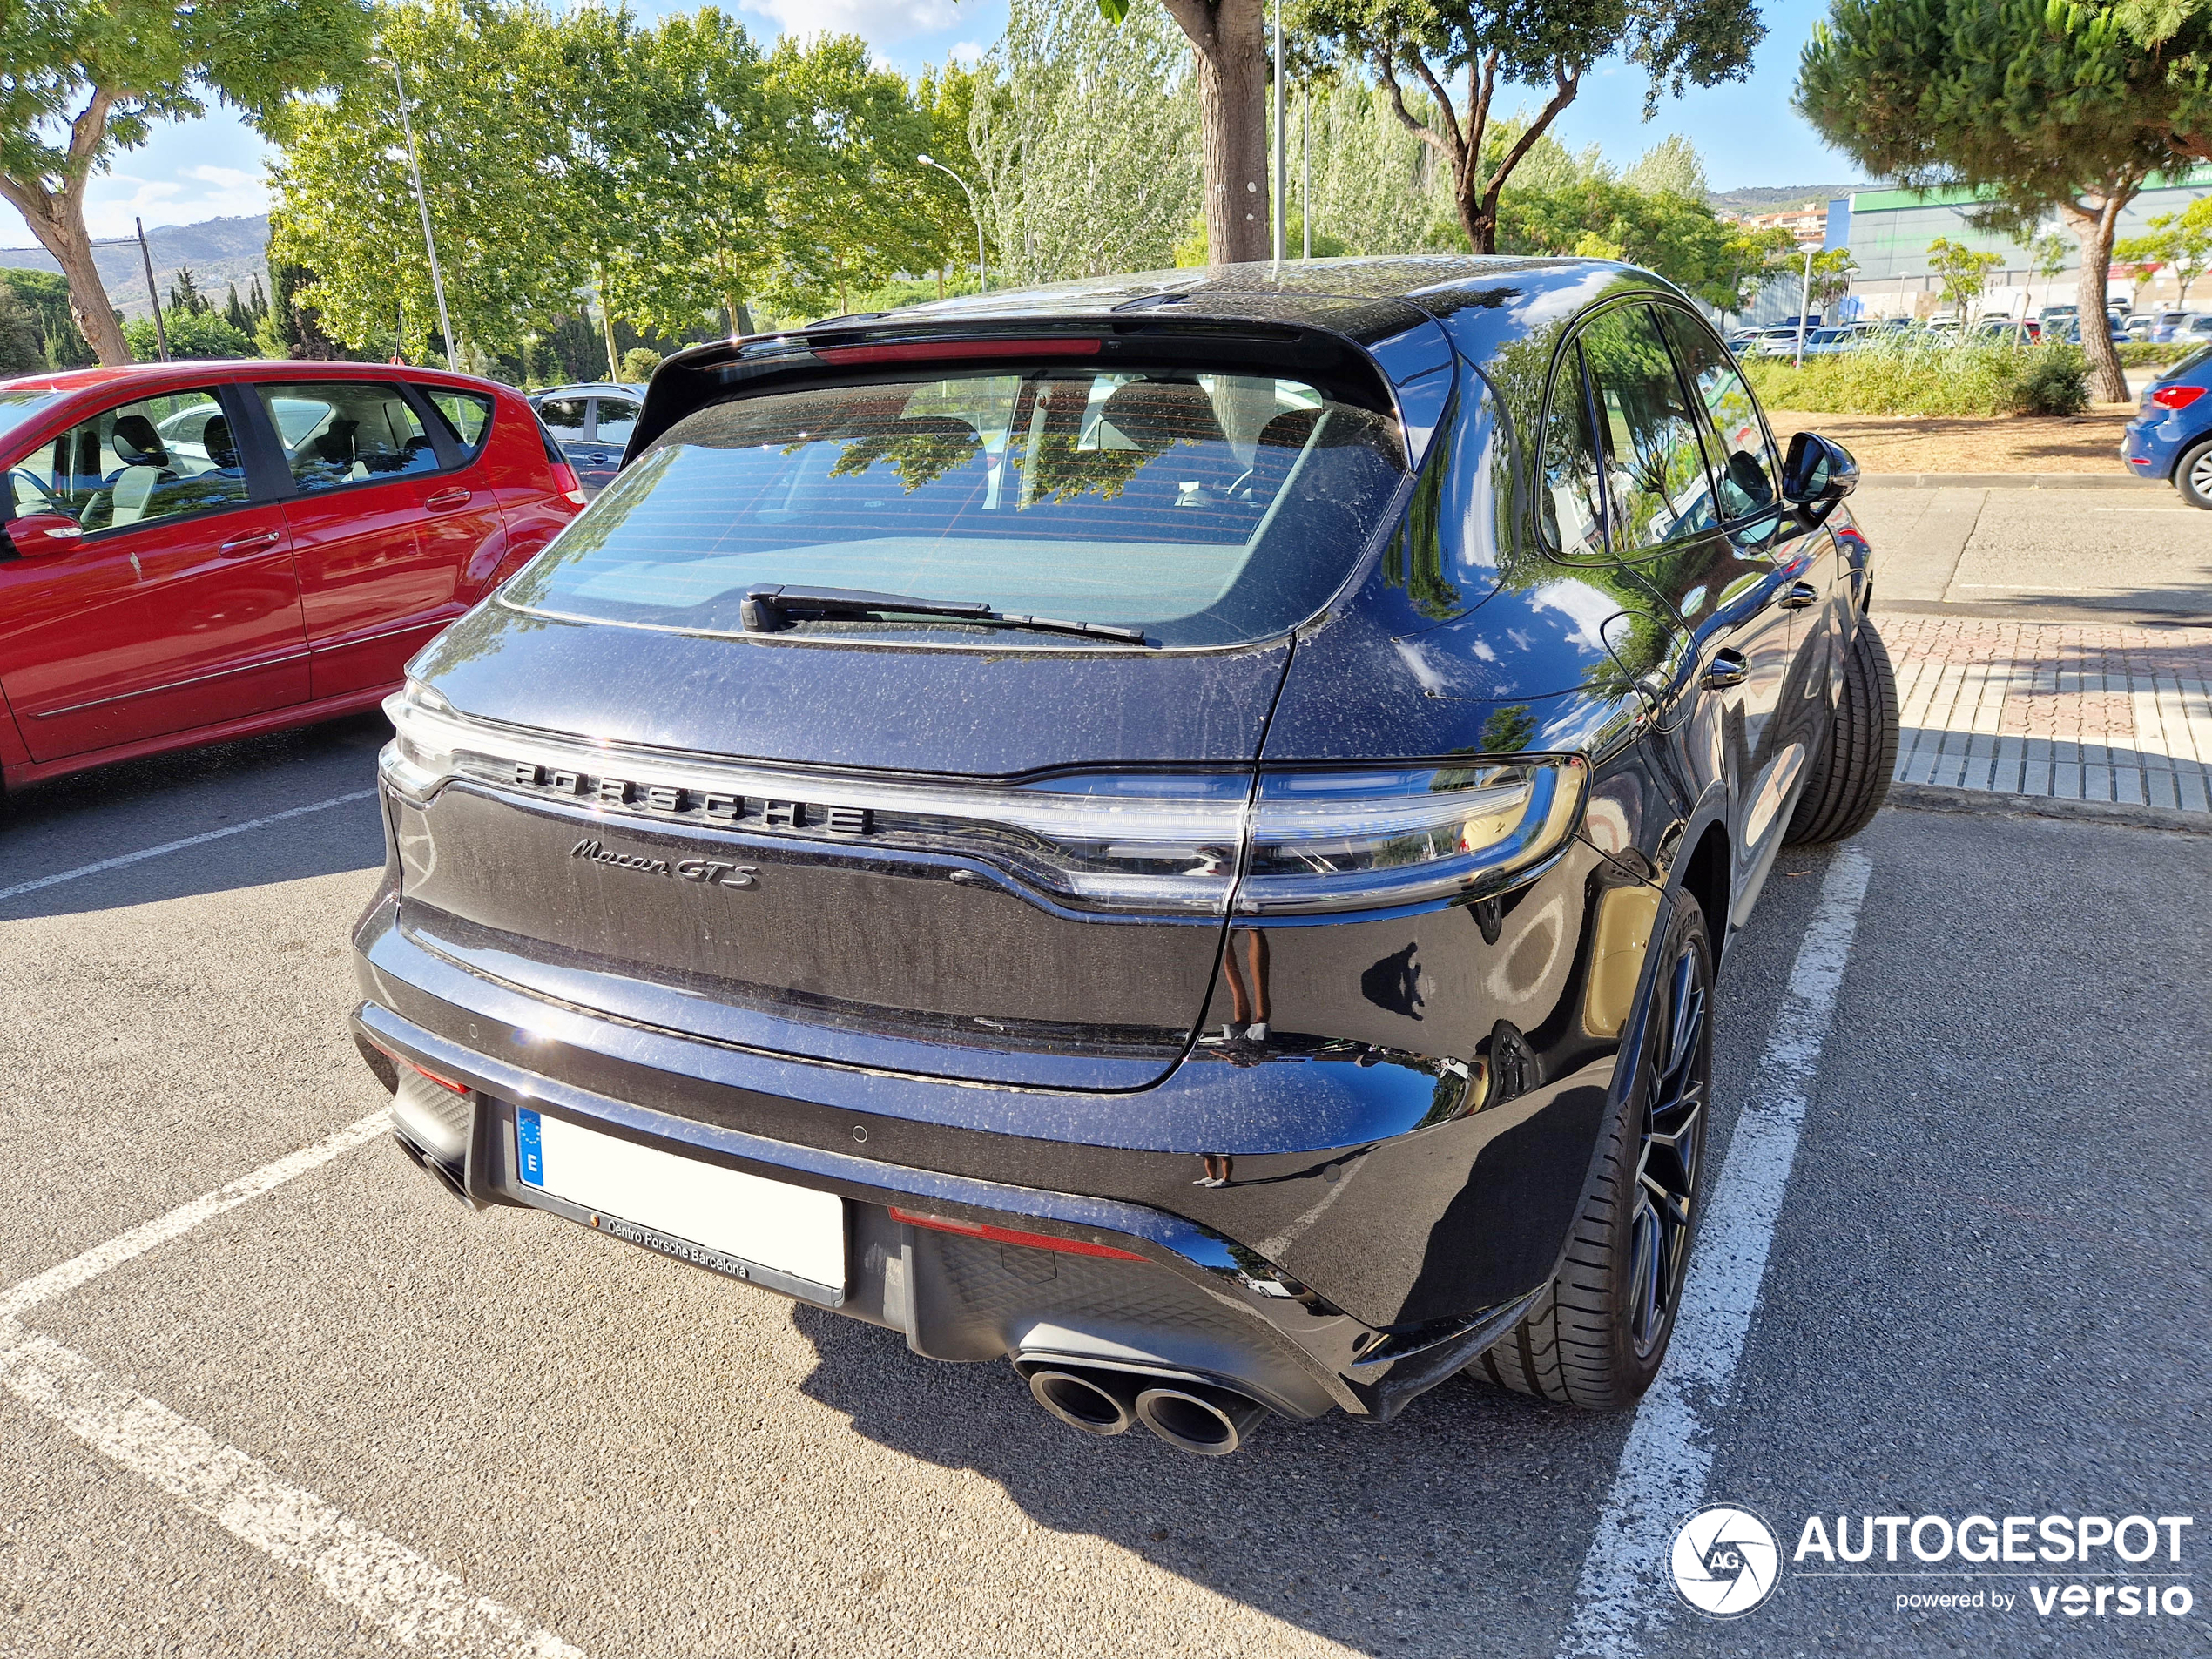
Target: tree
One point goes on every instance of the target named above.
(1229, 57)
(45, 295)
(23, 350)
(2039, 105)
(1677, 236)
(1548, 43)
(1964, 272)
(1057, 202)
(83, 80)
(185, 295)
(1831, 272)
(2181, 242)
(236, 312)
(485, 86)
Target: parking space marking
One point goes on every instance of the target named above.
(1621, 1594)
(123, 858)
(422, 1606)
(94, 1262)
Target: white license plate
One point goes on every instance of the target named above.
(789, 1231)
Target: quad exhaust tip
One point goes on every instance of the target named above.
(1199, 1418)
(1097, 1402)
(1211, 1422)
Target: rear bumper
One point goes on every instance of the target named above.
(1195, 1306)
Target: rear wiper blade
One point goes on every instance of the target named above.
(766, 609)
(1088, 630)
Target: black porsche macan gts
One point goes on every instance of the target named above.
(1172, 829)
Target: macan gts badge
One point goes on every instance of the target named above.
(1176, 833)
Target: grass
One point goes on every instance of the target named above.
(1975, 377)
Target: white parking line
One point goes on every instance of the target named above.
(123, 858)
(423, 1606)
(1621, 1594)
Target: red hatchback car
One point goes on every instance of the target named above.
(200, 551)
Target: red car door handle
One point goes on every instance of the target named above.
(248, 543)
(446, 498)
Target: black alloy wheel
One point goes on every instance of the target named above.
(1667, 1164)
(1596, 1334)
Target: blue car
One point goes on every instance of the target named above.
(2171, 438)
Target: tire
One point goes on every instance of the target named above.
(1850, 776)
(1596, 1334)
(2193, 475)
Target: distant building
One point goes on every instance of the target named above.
(1889, 232)
(1806, 225)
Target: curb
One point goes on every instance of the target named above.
(2005, 480)
(1938, 797)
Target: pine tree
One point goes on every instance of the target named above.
(235, 314)
(185, 296)
(257, 301)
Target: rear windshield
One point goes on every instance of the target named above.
(1204, 508)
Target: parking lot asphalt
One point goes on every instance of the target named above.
(1985, 1292)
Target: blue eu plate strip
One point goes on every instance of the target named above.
(529, 1147)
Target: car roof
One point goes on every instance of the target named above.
(155, 377)
(586, 388)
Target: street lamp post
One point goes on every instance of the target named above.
(983, 272)
(423, 205)
(1278, 132)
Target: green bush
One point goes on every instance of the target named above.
(638, 364)
(1977, 378)
(191, 333)
(2143, 354)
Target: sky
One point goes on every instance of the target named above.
(1746, 132)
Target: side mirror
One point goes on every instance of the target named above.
(1817, 473)
(32, 534)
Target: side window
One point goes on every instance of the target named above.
(1654, 464)
(336, 432)
(1744, 460)
(467, 416)
(618, 419)
(158, 458)
(564, 418)
(1573, 514)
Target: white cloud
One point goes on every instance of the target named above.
(966, 52)
(112, 201)
(876, 21)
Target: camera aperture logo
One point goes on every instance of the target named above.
(1725, 1561)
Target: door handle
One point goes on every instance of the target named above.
(446, 498)
(1729, 669)
(602, 460)
(1800, 595)
(248, 543)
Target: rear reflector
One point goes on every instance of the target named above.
(566, 482)
(2176, 397)
(1009, 1236)
(442, 1082)
(927, 350)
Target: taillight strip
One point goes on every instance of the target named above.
(1011, 1235)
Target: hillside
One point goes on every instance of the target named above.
(1770, 199)
(219, 251)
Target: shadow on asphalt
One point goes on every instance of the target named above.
(114, 811)
(1386, 1540)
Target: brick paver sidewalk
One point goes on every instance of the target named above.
(2087, 713)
